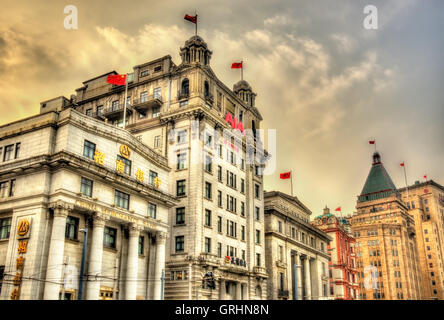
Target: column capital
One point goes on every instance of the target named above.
(134, 229)
(98, 220)
(161, 237)
(61, 208)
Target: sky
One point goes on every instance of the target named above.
(323, 81)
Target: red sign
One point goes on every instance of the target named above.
(233, 122)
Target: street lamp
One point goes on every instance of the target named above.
(82, 267)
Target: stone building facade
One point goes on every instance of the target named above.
(296, 251)
(386, 241)
(72, 187)
(343, 270)
(425, 203)
(209, 134)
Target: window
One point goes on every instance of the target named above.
(231, 228)
(181, 159)
(243, 233)
(180, 243)
(242, 186)
(258, 237)
(208, 141)
(256, 191)
(5, 228)
(243, 209)
(207, 245)
(109, 239)
(2, 275)
(89, 112)
(219, 198)
(17, 150)
(279, 226)
(86, 187)
(3, 189)
(156, 112)
(127, 168)
(99, 110)
(208, 164)
(208, 192)
(158, 69)
(219, 173)
(143, 96)
(72, 226)
(157, 93)
(185, 87)
(89, 149)
(144, 73)
(115, 105)
(152, 210)
(208, 218)
(219, 149)
(231, 203)
(8, 152)
(257, 211)
(152, 176)
(180, 216)
(258, 259)
(242, 164)
(219, 224)
(121, 199)
(141, 244)
(11, 187)
(180, 188)
(219, 250)
(157, 142)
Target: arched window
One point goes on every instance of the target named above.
(185, 86)
(206, 89)
(253, 128)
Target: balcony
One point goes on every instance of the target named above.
(116, 111)
(283, 293)
(181, 95)
(259, 270)
(209, 98)
(98, 115)
(142, 105)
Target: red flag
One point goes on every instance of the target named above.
(338, 209)
(425, 176)
(372, 142)
(402, 164)
(236, 65)
(116, 79)
(285, 175)
(192, 19)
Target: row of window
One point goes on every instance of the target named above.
(9, 152)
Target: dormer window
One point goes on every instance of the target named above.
(158, 69)
(185, 86)
(144, 73)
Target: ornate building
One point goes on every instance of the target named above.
(209, 135)
(425, 202)
(296, 251)
(342, 265)
(387, 255)
(83, 210)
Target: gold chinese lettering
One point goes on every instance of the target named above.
(139, 175)
(23, 227)
(17, 279)
(23, 246)
(157, 182)
(120, 166)
(125, 151)
(20, 263)
(99, 157)
(14, 294)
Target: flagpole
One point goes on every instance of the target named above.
(291, 182)
(195, 12)
(242, 70)
(375, 143)
(124, 101)
(406, 185)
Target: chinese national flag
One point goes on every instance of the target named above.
(425, 176)
(236, 65)
(372, 142)
(116, 79)
(338, 209)
(192, 19)
(402, 164)
(285, 175)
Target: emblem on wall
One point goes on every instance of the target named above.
(23, 228)
(125, 151)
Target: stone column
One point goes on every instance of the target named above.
(56, 251)
(132, 263)
(239, 291)
(299, 276)
(95, 259)
(159, 264)
(307, 277)
(222, 290)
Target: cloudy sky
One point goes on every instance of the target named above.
(326, 84)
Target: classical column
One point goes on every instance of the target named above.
(159, 265)
(56, 251)
(307, 277)
(238, 291)
(95, 259)
(132, 263)
(299, 276)
(222, 289)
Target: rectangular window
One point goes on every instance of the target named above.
(72, 227)
(181, 160)
(182, 136)
(8, 152)
(279, 226)
(219, 198)
(258, 213)
(151, 177)
(219, 173)
(258, 259)
(208, 164)
(152, 210)
(180, 216)
(141, 244)
(12, 188)
(243, 209)
(220, 150)
(180, 188)
(242, 164)
(209, 141)
(157, 142)
(5, 228)
(17, 150)
(243, 233)
(156, 112)
(89, 149)
(3, 189)
(115, 105)
(121, 199)
(219, 250)
(157, 93)
(143, 96)
(99, 110)
(242, 186)
(207, 245)
(144, 73)
(208, 192)
(208, 218)
(180, 243)
(127, 168)
(258, 237)
(86, 187)
(257, 191)
(109, 238)
(89, 112)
